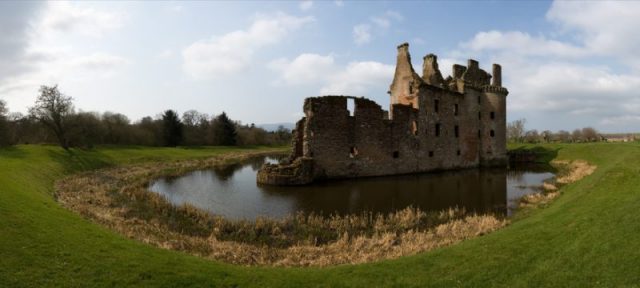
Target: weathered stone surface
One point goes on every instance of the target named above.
(299, 172)
(430, 71)
(433, 124)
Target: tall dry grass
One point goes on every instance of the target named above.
(568, 172)
(118, 198)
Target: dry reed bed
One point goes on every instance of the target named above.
(569, 172)
(118, 198)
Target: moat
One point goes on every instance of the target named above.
(232, 191)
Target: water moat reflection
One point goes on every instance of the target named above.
(232, 191)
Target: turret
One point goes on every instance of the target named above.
(406, 81)
(430, 72)
(497, 75)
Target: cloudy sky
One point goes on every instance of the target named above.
(566, 64)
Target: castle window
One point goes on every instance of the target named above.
(456, 131)
(458, 152)
(455, 109)
(430, 153)
(493, 115)
(479, 115)
(478, 99)
(414, 128)
(436, 103)
(492, 133)
(353, 152)
(396, 154)
(351, 106)
(479, 134)
(438, 130)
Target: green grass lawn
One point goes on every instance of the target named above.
(589, 236)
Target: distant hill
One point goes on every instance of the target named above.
(274, 126)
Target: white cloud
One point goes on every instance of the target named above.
(522, 44)
(561, 74)
(305, 69)
(49, 52)
(621, 121)
(394, 15)
(385, 20)
(176, 8)
(355, 78)
(381, 22)
(362, 34)
(99, 62)
(233, 52)
(167, 53)
(306, 5)
(605, 27)
(15, 25)
(65, 17)
(358, 78)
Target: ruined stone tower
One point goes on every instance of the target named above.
(433, 124)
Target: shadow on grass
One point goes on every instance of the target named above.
(532, 154)
(12, 152)
(76, 160)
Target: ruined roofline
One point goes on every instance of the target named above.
(431, 74)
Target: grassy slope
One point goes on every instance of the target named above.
(590, 236)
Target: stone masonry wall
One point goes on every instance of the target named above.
(433, 124)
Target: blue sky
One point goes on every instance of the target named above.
(567, 64)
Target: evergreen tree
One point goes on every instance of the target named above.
(224, 131)
(171, 129)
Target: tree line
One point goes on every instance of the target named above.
(53, 119)
(517, 133)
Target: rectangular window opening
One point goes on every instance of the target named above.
(438, 130)
(455, 110)
(458, 152)
(492, 133)
(430, 153)
(479, 115)
(457, 131)
(493, 115)
(351, 106)
(396, 154)
(436, 103)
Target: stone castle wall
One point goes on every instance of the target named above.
(433, 124)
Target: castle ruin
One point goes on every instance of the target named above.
(434, 123)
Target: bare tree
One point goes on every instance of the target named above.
(117, 128)
(576, 135)
(4, 125)
(532, 136)
(589, 134)
(563, 136)
(53, 109)
(3, 108)
(547, 136)
(515, 130)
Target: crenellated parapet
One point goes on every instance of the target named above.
(495, 89)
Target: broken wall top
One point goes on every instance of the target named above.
(471, 75)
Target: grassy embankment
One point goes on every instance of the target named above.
(589, 236)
